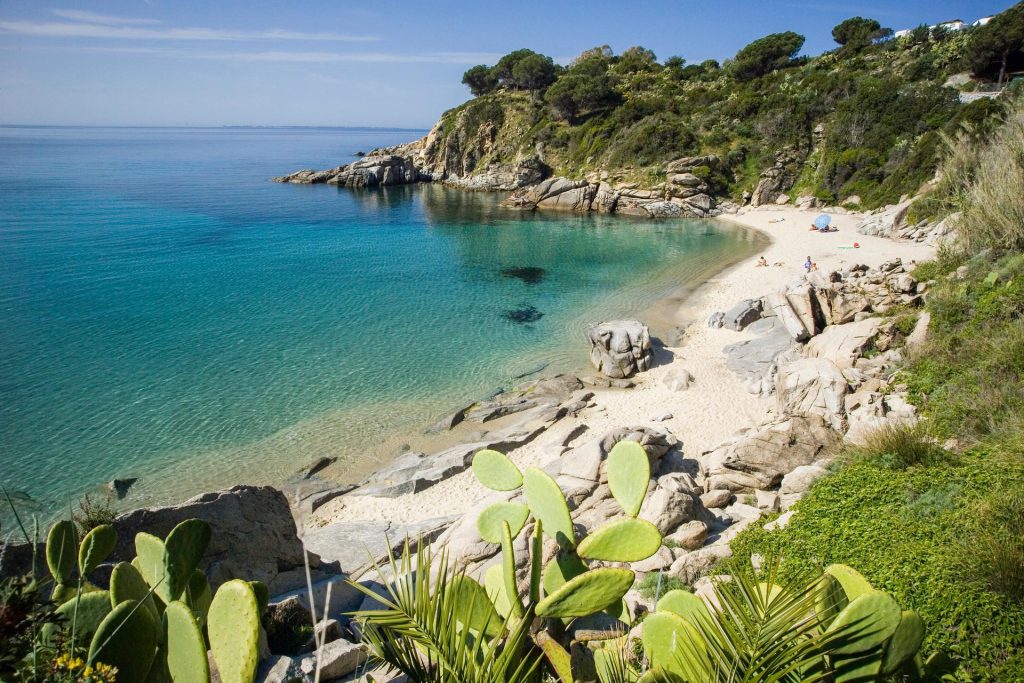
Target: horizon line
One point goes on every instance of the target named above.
(218, 126)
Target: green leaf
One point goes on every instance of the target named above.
(475, 609)
(61, 547)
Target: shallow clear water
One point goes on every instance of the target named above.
(166, 312)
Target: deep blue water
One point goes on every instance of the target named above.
(167, 312)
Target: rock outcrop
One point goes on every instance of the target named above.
(777, 179)
(371, 171)
(254, 535)
(620, 348)
(761, 457)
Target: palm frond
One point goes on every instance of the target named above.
(417, 630)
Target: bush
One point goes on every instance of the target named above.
(996, 548)
(648, 586)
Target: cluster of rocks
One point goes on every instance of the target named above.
(777, 179)
(827, 359)
(620, 348)
(684, 194)
(893, 222)
(378, 170)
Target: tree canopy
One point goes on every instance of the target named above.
(857, 32)
(998, 47)
(519, 70)
(775, 51)
(585, 86)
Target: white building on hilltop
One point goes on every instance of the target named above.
(951, 25)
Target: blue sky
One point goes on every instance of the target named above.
(339, 62)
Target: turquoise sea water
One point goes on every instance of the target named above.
(168, 313)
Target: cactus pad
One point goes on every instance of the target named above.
(488, 524)
(92, 610)
(233, 625)
(566, 565)
(508, 571)
(149, 560)
(495, 471)
(198, 596)
(686, 605)
(868, 620)
(904, 643)
(494, 584)
(127, 638)
(547, 503)
(622, 540)
(96, 547)
(629, 473)
(473, 608)
(61, 547)
(262, 593)
(587, 593)
(185, 648)
(183, 550)
(557, 656)
(853, 583)
(126, 583)
(663, 638)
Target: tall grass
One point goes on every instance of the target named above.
(986, 184)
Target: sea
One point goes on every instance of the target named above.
(169, 314)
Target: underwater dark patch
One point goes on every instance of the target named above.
(531, 275)
(522, 315)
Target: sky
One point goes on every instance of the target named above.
(346, 63)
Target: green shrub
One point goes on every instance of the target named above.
(995, 550)
(898, 446)
(649, 588)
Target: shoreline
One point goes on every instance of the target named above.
(712, 410)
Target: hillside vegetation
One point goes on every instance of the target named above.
(864, 120)
(935, 514)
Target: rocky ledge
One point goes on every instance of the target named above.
(684, 194)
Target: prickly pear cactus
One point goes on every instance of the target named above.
(149, 560)
(96, 547)
(565, 566)
(621, 540)
(684, 604)
(671, 643)
(184, 645)
(61, 550)
(547, 503)
(904, 643)
(474, 609)
(629, 473)
(127, 638)
(198, 596)
(871, 618)
(182, 551)
(587, 593)
(488, 524)
(126, 583)
(92, 608)
(233, 625)
(495, 471)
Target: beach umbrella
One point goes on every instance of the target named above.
(822, 221)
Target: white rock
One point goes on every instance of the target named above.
(801, 479)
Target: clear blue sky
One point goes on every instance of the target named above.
(340, 62)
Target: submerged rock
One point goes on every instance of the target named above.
(531, 275)
(522, 315)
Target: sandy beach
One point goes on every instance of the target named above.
(716, 405)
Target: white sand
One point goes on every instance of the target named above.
(714, 408)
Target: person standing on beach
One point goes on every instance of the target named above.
(807, 264)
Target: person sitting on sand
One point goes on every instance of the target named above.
(762, 262)
(814, 267)
(808, 263)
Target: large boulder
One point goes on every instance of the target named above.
(254, 535)
(844, 344)
(761, 457)
(620, 348)
(812, 386)
(886, 222)
(755, 360)
(373, 171)
(742, 314)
